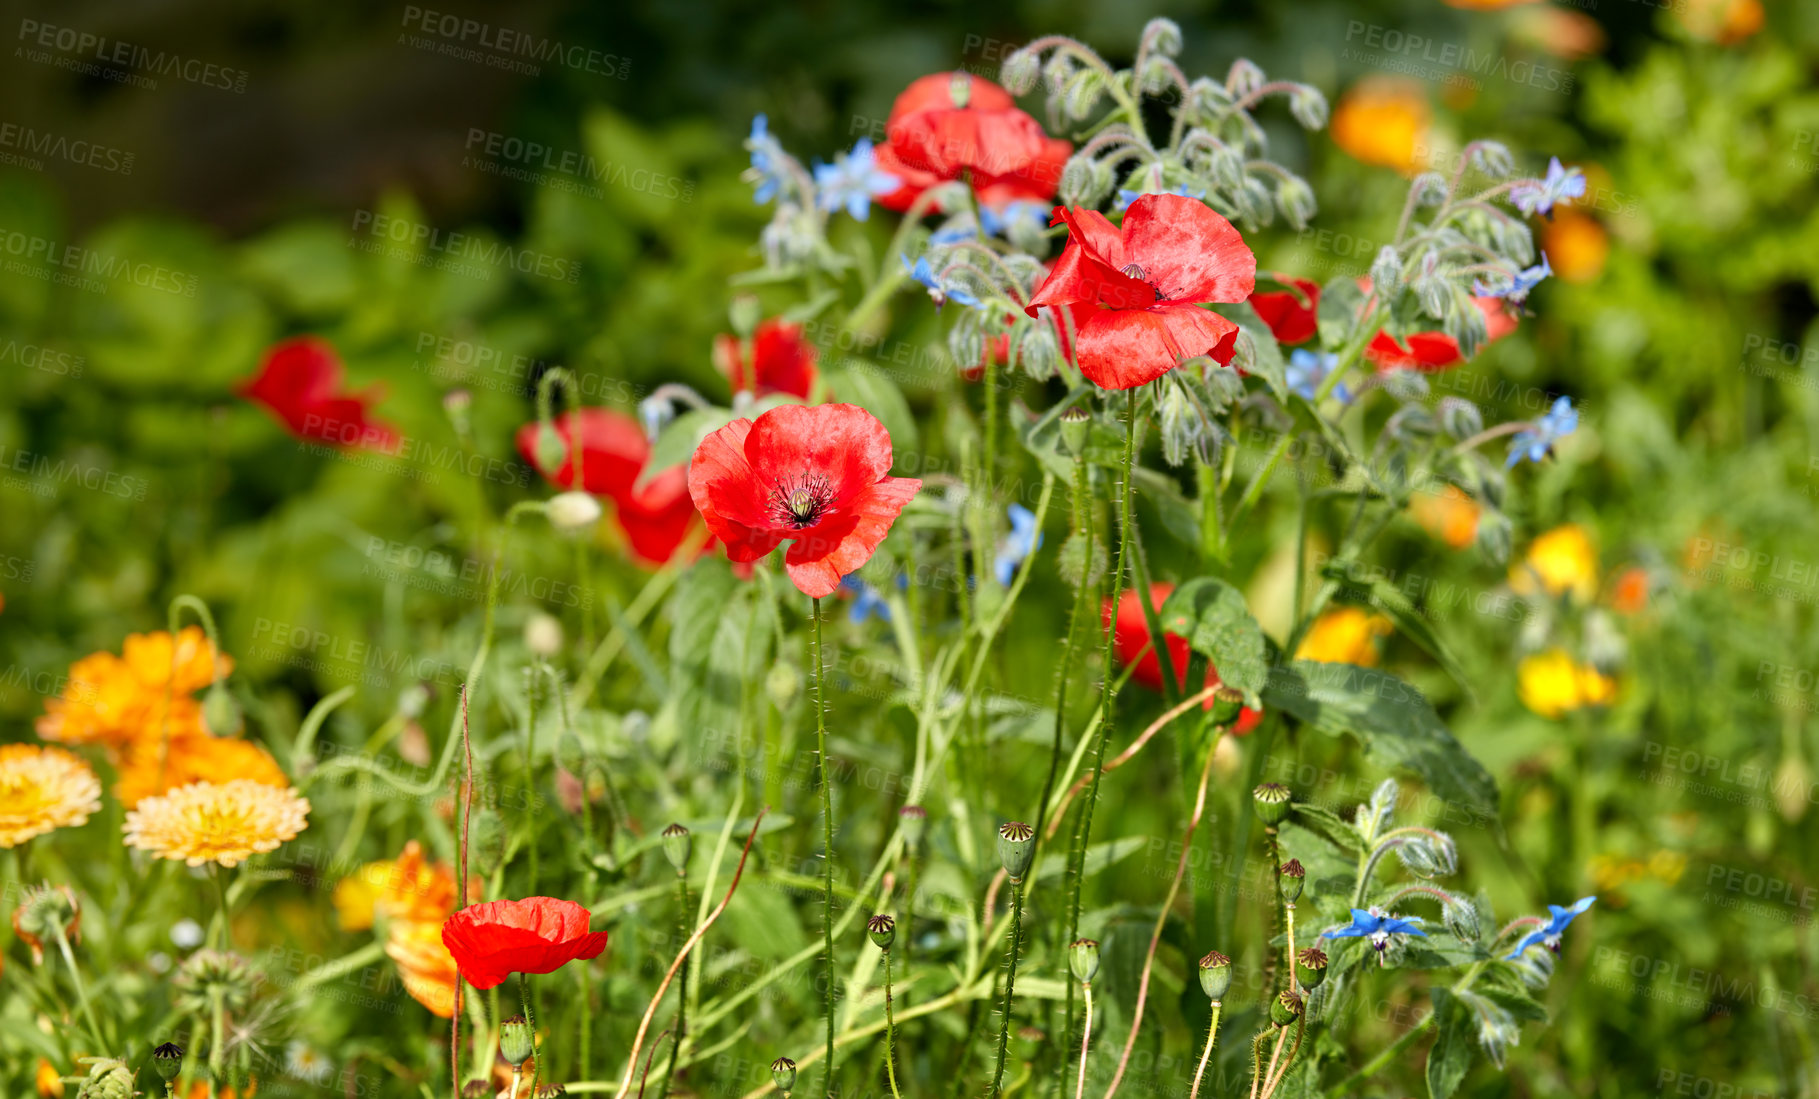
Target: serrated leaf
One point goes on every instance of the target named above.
(1520, 1004)
(1451, 1054)
(1393, 721)
(1327, 824)
(1212, 615)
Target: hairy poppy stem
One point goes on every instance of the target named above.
(1212, 1035)
(827, 846)
(1086, 1040)
(890, 1030)
(1010, 984)
(669, 1073)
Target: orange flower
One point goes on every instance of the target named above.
(1486, 5)
(1560, 562)
(1569, 35)
(415, 896)
(194, 756)
(1382, 121)
(1345, 635)
(1629, 591)
(43, 789)
(424, 964)
(50, 1081)
(1725, 22)
(1575, 245)
(1450, 516)
(112, 700)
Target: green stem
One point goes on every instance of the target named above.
(75, 976)
(1212, 1035)
(217, 1037)
(1083, 530)
(1010, 982)
(1086, 1041)
(675, 1045)
(1388, 1054)
(530, 1022)
(827, 841)
(890, 1030)
(530, 754)
(215, 872)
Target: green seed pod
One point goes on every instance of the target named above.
(1310, 967)
(1215, 975)
(167, 1061)
(783, 1074)
(677, 843)
(1293, 877)
(913, 819)
(1016, 849)
(883, 931)
(1083, 959)
(1285, 1009)
(1271, 801)
(1076, 426)
(220, 712)
(515, 1040)
(1228, 703)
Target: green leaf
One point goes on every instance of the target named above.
(1339, 302)
(1212, 615)
(1392, 719)
(1408, 620)
(872, 389)
(1266, 360)
(1451, 1054)
(677, 442)
(1326, 824)
(1098, 857)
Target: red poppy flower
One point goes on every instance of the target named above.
(1147, 280)
(928, 140)
(494, 940)
(301, 382)
(1437, 350)
(1131, 636)
(1293, 315)
(1034, 182)
(656, 518)
(781, 360)
(814, 474)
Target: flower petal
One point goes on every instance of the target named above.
(1188, 251)
(1125, 348)
(833, 548)
(843, 442)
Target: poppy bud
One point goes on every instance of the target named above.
(745, 313)
(570, 512)
(1228, 703)
(1016, 849)
(913, 819)
(1076, 426)
(1083, 959)
(167, 1061)
(1285, 1008)
(1271, 800)
(1215, 975)
(883, 931)
(515, 1040)
(1310, 967)
(220, 713)
(783, 1074)
(549, 449)
(543, 636)
(677, 843)
(1293, 876)
(550, 1091)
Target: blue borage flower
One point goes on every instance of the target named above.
(1125, 198)
(1308, 370)
(853, 180)
(1538, 196)
(1017, 545)
(1537, 440)
(1549, 934)
(941, 292)
(867, 601)
(1376, 926)
(999, 220)
(1522, 282)
(767, 161)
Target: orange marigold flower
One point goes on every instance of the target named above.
(193, 756)
(1629, 592)
(1345, 635)
(1449, 515)
(1725, 22)
(1575, 245)
(415, 896)
(224, 823)
(1382, 121)
(42, 789)
(424, 964)
(112, 700)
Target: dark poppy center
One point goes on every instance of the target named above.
(802, 503)
(1136, 271)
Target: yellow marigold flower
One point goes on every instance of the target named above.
(1346, 635)
(357, 894)
(1575, 245)
(1551, 684)
(42, 789)
(194, 756)
(1450, 515)
(1560, 562)
(113, 700)
(416, 897)
(225, 823)
(1382, 121)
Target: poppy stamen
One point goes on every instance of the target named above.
(803, 503)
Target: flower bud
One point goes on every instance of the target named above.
(1271, 800)
(571, 512)
(167, 1061)
(1228, 703)
(515, 1040)
(1308, 106)
(1493, 159)
(220, 712)
(1285, 1008)
(1310, 967)
(883, 931)
(478, 1089)
(542, 634)
(44, 912)
(1293, 876)
(677, 843)
(1163, 36)
(1244, 77)
(1020, 72)
(1076, 428)
(1296, 201)
(1016, 849)
(1386, 272)
(550, 450)
(1083, 960)
(783, 1074)
(913, 819)
(1461, 920)
(1215, 975)
(745, 313)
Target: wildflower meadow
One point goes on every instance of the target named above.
(1259, 550)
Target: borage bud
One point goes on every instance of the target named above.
(1016, 849)
(1310, 967)
(1020, 72)
(1461, 917)
(1076, 427)
(883, 931)
(167, 1061)
(783, 1074)
(543, 637)
(1293, 877)
(1228, 703)
(1215, 975)
(913, 819)
(515, 1044)
(572, 512)
(1285, 1009)
(1083, 960)
(1271, 800)
(677, 843)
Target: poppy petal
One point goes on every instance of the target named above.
(830, 550)
(1293, 315)
(840, 441)
(1125, 348)
(1187, 250)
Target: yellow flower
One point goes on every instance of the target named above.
(50, 1081)
(1575, 245)
(1347, 635)
(193, 756)
(1725, 22)
(356, 895)
(42, 789)
(1551, 684)
(416, 897)
(114, 700)
(225, 823)
(1560, 562)
(1450, 516)
(1382, 121)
